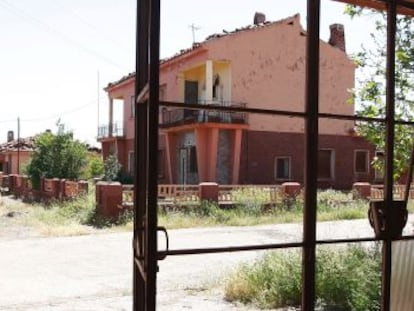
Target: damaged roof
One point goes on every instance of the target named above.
(23, 144)
(199, 45)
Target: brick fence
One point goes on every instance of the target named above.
(50, 188)
(112, 197)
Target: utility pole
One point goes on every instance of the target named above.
(18, 145)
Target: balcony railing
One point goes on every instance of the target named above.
(180, 116)
(115, 129)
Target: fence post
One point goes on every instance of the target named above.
(361, 190)
(209, 191)
(108, 198)
(291, 189)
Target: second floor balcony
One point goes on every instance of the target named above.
(180, 116)
(115, 129)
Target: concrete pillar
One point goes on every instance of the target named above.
(237, 138)
(207, 146)
(209, 81)
(170, 149)
(208, 191)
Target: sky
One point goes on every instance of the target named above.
(58, 55)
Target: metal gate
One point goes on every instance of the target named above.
(146, 254)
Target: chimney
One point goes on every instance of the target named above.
(337, 38)
(259, 18)
(10, 136)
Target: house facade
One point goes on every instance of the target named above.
(258, 67)
(14, 154)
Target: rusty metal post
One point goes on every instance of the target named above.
(311, 154)
(389, 153)
(140, 148)
(153, 109)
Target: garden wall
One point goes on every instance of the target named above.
(50, 188)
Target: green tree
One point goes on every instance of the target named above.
(369, 95)
(56, 156)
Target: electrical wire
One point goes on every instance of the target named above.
(52, 31)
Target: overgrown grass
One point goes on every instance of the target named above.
(250, 209)
(346, 279)
(72, 217)
(80, 217)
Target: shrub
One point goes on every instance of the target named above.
(111, 168)
(347, 279)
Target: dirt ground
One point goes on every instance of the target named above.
(94, 272)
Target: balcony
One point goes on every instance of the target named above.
(115, 129)
(181, 116)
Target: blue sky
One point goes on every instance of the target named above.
(52, 51)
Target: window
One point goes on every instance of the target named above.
(361, 161)
(282, 168)
(326, 160)
(132, 107)
(131, 162)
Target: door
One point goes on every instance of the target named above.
(190, 97)
(183, 166)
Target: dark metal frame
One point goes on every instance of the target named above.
(146, 147)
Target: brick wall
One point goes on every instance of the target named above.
(259, 150)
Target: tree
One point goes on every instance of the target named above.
(369, 95)
(56, 156)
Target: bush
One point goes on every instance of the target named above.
(347, 279)
(111, 168)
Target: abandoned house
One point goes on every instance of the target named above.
(257, 66)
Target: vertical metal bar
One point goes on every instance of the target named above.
(153, 110)
(311, 154)
(140, 150)
(389, 153)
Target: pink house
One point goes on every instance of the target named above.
(261, 66)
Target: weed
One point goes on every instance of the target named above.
(346, 279)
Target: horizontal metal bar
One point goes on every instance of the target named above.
(292, 114)
(213, 107)
(196, 251)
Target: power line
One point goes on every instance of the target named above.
(57, 115)
(52, 31)
(89, 25)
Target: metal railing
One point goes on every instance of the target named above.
(179, 116)
(116, 129)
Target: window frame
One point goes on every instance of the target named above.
(275, 165)
(366, 152)
(331, 165)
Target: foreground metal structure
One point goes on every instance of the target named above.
(146, 254)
